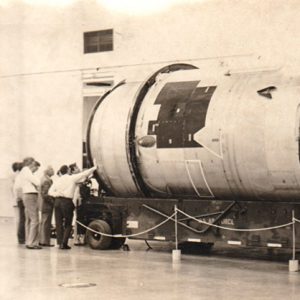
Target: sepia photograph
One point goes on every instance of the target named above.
(149, 149)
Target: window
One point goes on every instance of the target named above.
(98, 41)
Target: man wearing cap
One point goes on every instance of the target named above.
(29, 184)
(63, 190)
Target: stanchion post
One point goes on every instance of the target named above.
(75, 227)
(176, 254)
(294, 264)
(176, 227)
(294, 236)
(76, 236)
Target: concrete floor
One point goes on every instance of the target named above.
(137, 274)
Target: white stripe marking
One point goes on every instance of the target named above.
(132, 224)
(274, 245)
(194, 240)
(238, 243)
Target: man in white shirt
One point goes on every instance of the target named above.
(19, 205)
(30, 183)
(63, 190)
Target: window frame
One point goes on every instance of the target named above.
(98, 41)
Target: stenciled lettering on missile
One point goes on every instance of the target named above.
(183, 109)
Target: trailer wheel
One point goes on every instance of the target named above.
(117, 243)
(96, 240)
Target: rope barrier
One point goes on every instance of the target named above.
(236, 229)
(296, 220)
(128, 235)
(191, 217)
(179, 222)
(175, 220)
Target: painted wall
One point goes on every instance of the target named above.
(42, 61)
(41, 89)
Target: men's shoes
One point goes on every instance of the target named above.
(21, 242)
(65, 247)
(34, 247)
(46, 245)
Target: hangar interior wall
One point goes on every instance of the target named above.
(43, 68)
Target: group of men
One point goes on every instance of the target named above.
(33, 194)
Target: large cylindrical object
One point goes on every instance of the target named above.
(190, 133)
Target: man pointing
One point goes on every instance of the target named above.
(63, 190)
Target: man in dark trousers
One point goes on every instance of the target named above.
(63, 190)
(46, 207)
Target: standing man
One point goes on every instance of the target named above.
(59, 220)
(63, 189)
(30, 183)
(19, 205)
(47, 203)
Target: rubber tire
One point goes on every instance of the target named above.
(97, 241)
(117, 243)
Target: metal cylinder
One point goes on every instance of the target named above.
(200, 134)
